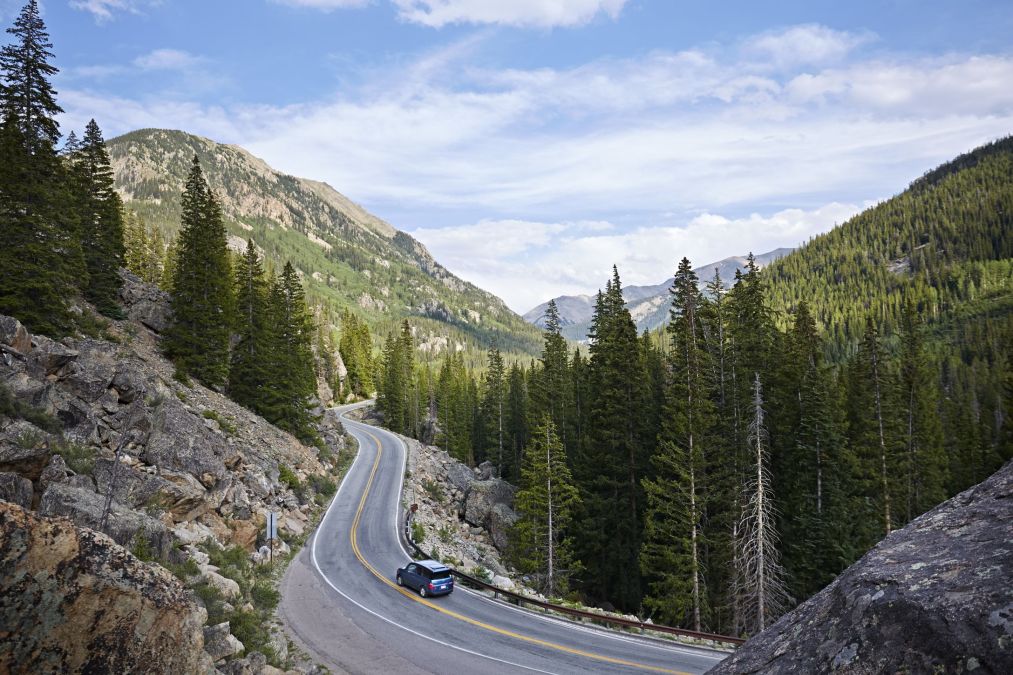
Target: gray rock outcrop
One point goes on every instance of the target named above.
(71, 600)
(145, 303)
(16, 489)
(483, 497)
(935, 596)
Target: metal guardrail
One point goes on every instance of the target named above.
(519, 599)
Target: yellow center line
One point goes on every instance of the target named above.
(474, 622)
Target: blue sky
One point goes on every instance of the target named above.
(531, 144)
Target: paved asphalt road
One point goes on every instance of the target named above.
(340, 600)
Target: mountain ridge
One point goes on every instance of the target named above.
(348, 257)
(647, 304)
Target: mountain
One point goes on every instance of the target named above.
(346, 256)
(648, 304)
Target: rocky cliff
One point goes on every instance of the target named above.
(934, 597)
(71, 600)
(95, 429)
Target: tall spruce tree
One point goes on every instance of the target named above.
(608, 470)
(249, 372)
(40, 261)
(101, 223)
(546, 503)
(202, 300)
(672, 557)
(494, 408)
(549, 390)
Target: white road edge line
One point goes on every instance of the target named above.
(602, 632)
(313, 555)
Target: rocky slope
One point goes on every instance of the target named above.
(347, 256)
(98, 431)
(648, 305)
(934, 597)
(71, 600)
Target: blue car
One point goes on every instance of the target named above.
(428, 577)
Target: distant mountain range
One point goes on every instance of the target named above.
(648, 305)
(347, 256)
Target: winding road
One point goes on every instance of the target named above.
(342, 606)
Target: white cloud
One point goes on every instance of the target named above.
(527, 262)
(103, 10)
(535, 13)
(325, 5)
(166, 59)
(808, 44)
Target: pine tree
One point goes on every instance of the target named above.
(202, 302)
(291, 370)
(516, 422)
(549, 390)
(28, 96)
(608, 470)
(924, 473)
(40, 261)
(249, 370)
(672, 554)
(546, 504)
(494, 404)
(101, 223)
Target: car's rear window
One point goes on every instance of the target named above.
(441, 574)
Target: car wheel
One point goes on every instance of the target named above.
(400, 581)
(422, 591)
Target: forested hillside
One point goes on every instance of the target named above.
(348, 258)
(718, 476)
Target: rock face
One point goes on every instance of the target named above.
(71, 600)
(936, 596)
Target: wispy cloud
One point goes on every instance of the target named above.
(167, 59)
(534, 13)
(105, 10)
(324, 5)
(808, 44)
(529, 262)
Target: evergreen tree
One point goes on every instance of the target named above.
(249, 372)
(546, 504)
(924, 464)
(672, 554)
(494, 407)
(356, 347)
(549, 390)
(292, 377)
(202, 302)
(516, 422)
(40, 261)
(609, 469)
(101, 223)
(29, 99)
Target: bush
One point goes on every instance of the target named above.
(79, 458)
(481, 573)
(141, 548)
(434, 489)
(265, 597)
(251, 631)
(418, 532)
(323, 485)
(224, 424)
(184, 570)
(446, 534)
(287, 477)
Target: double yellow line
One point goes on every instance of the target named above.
(460, 617)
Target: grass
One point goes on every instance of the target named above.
(226, 425)
(434, 489)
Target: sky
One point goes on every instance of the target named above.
(532, 144)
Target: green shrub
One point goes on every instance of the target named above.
(287, 477)
(265, 596)
(418, 532)
(184, 570)
(481, 573)
(250, 630)
(434, 489)
(446, 534)
(225, 425)
(323, 485)
(141, 548)
(80, 458)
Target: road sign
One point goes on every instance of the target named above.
(272, 525)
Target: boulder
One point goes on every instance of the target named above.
(14, 335)
(124, 525)
(933, 597)
(220, 643)
(501, 519)
(229, 588)
(55, 472)
(16, 489)
(71, 600)
(485, 471)
(460, 476)
(145, 303)
(24, 449)
(48, 357)
(180, 441)
(179, 494)
(483, 496)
